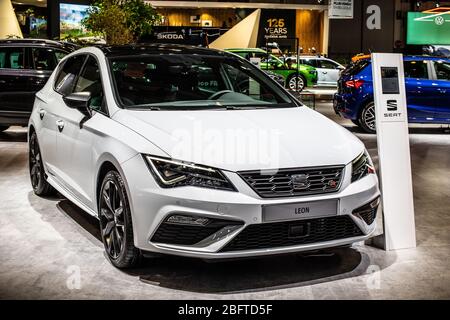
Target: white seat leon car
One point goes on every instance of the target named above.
(196, 152)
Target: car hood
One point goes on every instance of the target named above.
(246, 139)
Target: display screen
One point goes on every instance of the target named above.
(428, 28)
(70, 16)
(389, 80)
(38, 27)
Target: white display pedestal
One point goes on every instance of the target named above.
(393, 151)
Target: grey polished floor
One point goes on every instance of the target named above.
(50, 249)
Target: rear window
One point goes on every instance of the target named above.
(46, 58)
(356, 68)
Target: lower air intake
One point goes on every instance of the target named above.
(291, 233)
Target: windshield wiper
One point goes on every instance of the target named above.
(257, 106)
(229, 107)
(232, 107)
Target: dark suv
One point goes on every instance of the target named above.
(25, 66)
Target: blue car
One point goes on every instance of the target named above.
(427, 81)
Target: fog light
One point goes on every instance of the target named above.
(368, 212)
(188, 220)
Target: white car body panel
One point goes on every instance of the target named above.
(73, 158)
(326, 77)
(306, 129)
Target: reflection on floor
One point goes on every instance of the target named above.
(49, 248)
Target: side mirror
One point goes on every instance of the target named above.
(79, 101)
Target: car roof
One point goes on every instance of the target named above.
(409, 58)
(245, 50)
(38, 42)
(313, 57)
(413, 58)
(156, 48)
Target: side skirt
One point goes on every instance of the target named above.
(69, 195)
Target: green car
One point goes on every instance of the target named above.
(307, 75)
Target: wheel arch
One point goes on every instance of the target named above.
(105, 164)
(363, 104)
(31, 130)
(361, 109)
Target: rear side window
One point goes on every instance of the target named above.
(60, 54)
(416, 69)
(309, 62)
(12, 58)
(46, 58)
(325, 64)
(65, 79)
(442, 70)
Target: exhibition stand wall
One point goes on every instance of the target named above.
(9, 26)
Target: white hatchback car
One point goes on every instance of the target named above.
(328, 71)
(195, 152)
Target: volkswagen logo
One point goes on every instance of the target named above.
(300, 181)
(439, 20)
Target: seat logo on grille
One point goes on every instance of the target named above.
(332, 184)
(300, 181)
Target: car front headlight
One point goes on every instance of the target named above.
(362, 166)
(171, 173)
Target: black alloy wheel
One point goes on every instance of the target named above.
(115, 222)
(37, 174)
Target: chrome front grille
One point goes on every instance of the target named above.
(294, 182)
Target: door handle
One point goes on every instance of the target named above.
(60, 125)
(324, 72)
(41, 113)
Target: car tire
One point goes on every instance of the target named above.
(37, 174)
(366, 119)
(115, 222)
(291, 82)
(355, 121)
(3, 128)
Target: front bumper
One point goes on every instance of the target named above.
(152, 205)
(341, 105)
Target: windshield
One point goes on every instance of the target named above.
(191, 81)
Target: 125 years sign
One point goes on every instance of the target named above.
(276, 25)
